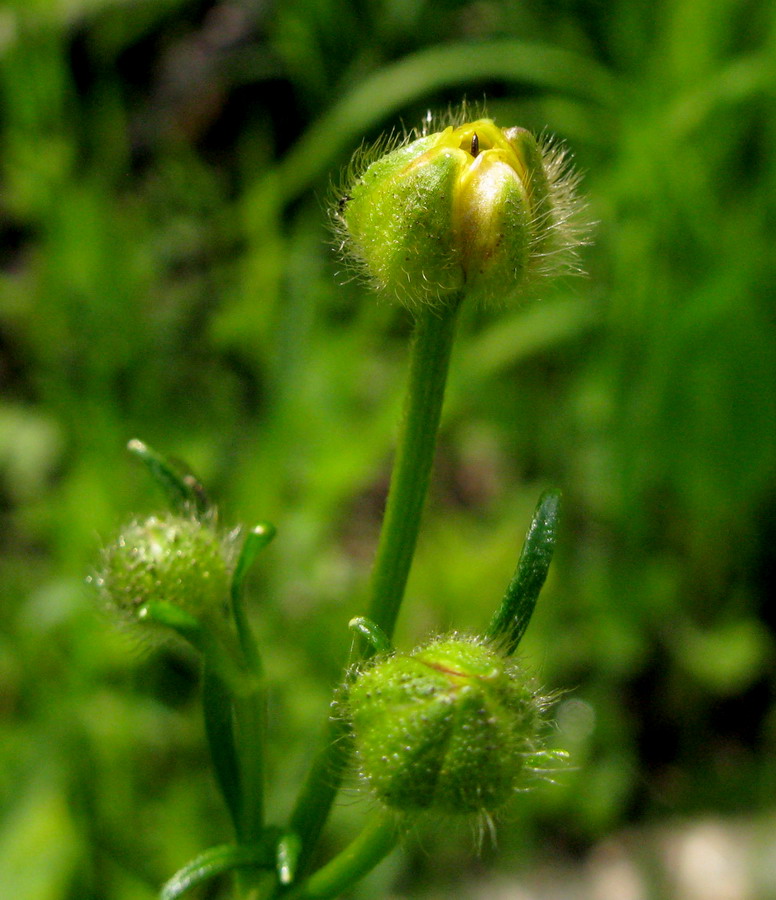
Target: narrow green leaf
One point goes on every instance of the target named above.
(256, 539)
(221, 859)
(249, 708)
(512, 618)
(184, 492)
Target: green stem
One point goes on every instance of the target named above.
(250, 733)
(250, 728)
(320, 788)
(219, 728)
(235, 686)
(434, 333)
(373, 844)
(232, 684)
(430, 359)
(250, 708)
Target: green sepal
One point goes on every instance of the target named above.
(377, 639)
(172, 616)
(536, 183)
(512, 618)
(221, 859)
(287, 857)
(399, 216)
(184, 491)
(239, 681)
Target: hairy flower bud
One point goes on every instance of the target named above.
(452, 726)
(471, 208)
(175, 560)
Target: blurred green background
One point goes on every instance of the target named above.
(166, 274)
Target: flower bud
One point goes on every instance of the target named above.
(175, 560)
(452, 726)
(472, 209)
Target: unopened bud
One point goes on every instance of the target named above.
(470, 209)
(452, 726)
(173, 560)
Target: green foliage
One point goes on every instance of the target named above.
(164, 272)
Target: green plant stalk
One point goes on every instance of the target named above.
(234, 711)
(320, 788)
(250, 708)
(430, 360)
(249, 739)
(374, 843)
(219, 728)
(239, 692)
(250, 728)
(250, 714)
(235, 727)
(433, 341)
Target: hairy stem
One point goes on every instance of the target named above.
(430, 359)
(434, 333)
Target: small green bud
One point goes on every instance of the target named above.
(471, 208)
(174, 560)
(452, 726)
